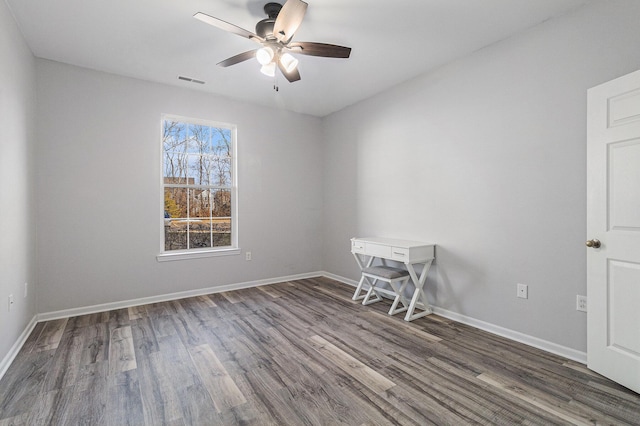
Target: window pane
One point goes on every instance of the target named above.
(175, 235)
(198, 169)
(199, 233)
(175, 203)
(174, 136)
(207, 166)
(199, 139)
(175, 168)
(199, 203)
(221, 142)
(221, 203)
(221, 232)
(220, 171)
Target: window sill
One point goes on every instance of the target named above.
(168, 257)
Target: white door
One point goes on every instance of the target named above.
(613, 218)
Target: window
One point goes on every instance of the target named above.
(198, 181)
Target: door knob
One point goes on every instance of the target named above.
(593, 244)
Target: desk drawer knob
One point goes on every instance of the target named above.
(399, 254)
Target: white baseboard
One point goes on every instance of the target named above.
(344, 280)
(65, 313)
(8, 359)
(545, 345)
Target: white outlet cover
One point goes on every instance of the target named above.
(581, 303)
(523, 291)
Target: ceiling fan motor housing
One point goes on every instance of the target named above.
(264, 28)
(272, 10)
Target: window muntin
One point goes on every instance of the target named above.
(198, 164)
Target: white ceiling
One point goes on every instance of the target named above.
(157, 40)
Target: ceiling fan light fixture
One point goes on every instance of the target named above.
(288, 62)
(274, 35)
(264, 55)
(269, 69)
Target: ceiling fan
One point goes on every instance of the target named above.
(274, 34)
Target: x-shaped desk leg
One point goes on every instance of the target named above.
(363, 279)
(399, 290)
(418, 294)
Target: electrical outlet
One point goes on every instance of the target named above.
(26, 289)
(10, 302)
(247, 255)
(581, 303)
(523, 291)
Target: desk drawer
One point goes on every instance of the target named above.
(400, 254)
(357, 247)
(378, 250)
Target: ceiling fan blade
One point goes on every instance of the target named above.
(223, 25)
(238, 58)
(291, 76)
(289, 19)
(319, 49)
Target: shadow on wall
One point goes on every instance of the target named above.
(439, 287)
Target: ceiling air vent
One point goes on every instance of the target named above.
(192, 80)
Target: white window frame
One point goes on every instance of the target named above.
(196, 253)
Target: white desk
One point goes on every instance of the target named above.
(411, 253)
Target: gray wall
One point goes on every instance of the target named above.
(100, 198)
(17, 211)
(487, 158)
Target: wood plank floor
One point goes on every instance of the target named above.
(293, 353)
